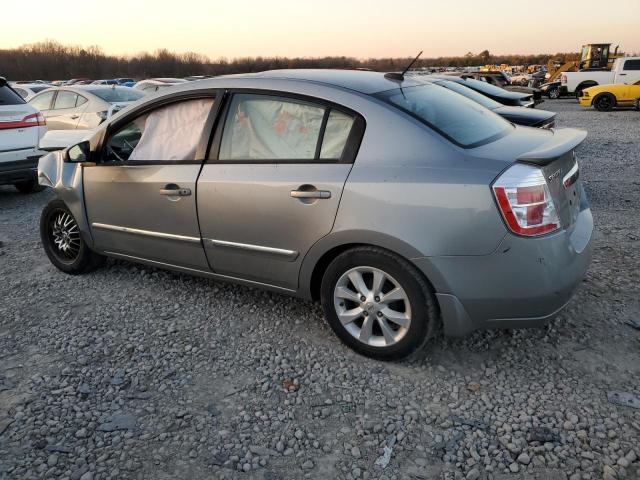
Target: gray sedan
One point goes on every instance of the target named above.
(396, 203)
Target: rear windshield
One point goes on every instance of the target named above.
(457, 118)
(115, 95)
(39, 88)
(9, 97)
(470, 93)
(484, 87)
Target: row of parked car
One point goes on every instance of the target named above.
(27, 89)
(68, 112)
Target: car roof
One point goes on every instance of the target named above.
(358, 80)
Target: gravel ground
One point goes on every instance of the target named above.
(136, 373)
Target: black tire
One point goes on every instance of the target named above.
(29, 186)
(604, 102)
(78, 257)
(554, 93)
(424, 313)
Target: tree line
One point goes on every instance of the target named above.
(51, 60)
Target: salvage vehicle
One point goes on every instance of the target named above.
(395, 202)
(28, 90)
(624, 70)
(82, 107)
(519, 115)
(553, 89)
(21, 127)
(607, 97)
(500, 95)
(501, 80)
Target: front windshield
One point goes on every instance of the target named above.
(115, 95)
(459, 119)
(469, 93)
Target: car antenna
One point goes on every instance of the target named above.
(399, 77)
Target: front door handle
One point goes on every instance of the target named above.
(174, 190)
(310, 194)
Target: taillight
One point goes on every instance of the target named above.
(32, 120)
(103, 115)
(525, 201)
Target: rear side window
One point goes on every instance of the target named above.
(336, 134)
(9, 97)
(42, 101)
(65, 99)
(632, 65)
(457, 118)
(268, 128)
(260, 127)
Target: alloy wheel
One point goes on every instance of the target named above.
(65, 236)
(554, 93)
(372, 306)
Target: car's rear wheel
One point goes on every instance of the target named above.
(29, 186)
(63, 242)
(378, 303)
(554, 93)
(604, 102)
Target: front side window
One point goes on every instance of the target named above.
(457, 118)
(169, 133)
(65, 99)
(42, 101)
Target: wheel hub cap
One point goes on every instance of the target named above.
(65, 235)
(372, 306)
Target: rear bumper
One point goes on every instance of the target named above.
(14, 171)
(524, 283)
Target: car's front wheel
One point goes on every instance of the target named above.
(378, 303)
(63, 242)
(604, 102)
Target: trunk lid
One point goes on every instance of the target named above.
(13, 134)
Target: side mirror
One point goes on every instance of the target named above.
(78, 153)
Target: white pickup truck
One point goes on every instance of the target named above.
(624, 70)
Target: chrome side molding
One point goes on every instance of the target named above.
(146, 233)
(288, 255)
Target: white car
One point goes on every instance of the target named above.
(21, 127)
(28, 90)
(154, 84)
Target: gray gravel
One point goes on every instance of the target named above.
(136, 373)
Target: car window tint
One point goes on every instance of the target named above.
(21, 92)
(117, 94)
(42, 101)
(459, 119)
(632, 65)
(9, 97)
(170, 133)
(336, 134)
(470, 93)
(261, 127)
(65, 99)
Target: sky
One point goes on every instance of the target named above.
(358, 28)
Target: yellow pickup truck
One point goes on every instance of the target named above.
(606, 97)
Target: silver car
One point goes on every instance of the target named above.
(395, 202)
(82, 107)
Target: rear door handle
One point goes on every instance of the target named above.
(175, 191)
(73, 117)
(311, 194)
